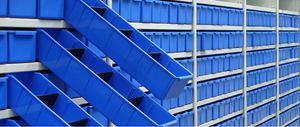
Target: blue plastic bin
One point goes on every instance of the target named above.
(225, 41)
(221, 63)
(209, 113)
(22, 8)
(216, 40)
(241, 17)
(201, 66)
(182, 8)
(199, 41)
(216, 110)
(227, 62)
(203, 91)
(227, 85)
(189, 94)
(173, 12)
(189, 14)
(3, 8)
(209, 16)
(165, 41)
(223, 16)
(221, 86)
(3, 93)
(50, 9)
(116, 6)
(156, 11)
(208, 65)
(146, 9)
(202, 113)
(189, 41)
(232, 37)
(215, 64)
(209, 89)
(207, 40)
(201, 14)
(164, 17)
(3, 47)
(215, 16)
(173, 41)
(216, 88)
(181, 43)
(22, 46)
(231, 17)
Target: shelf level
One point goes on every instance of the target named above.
(288, 92)
(289, 76)
(288, 45)
(292, 120)
(261, 85)
(217, 27)
(254, 28)
(32, 23)
(204, 53)
(289, 28)
(288, 107)
(257, 8)
(22, 67)
(288, 12)
(261, 47)
(261, 103)
(210, 123)
(260, 66)
(158, 26)
(263, 120)
(289, 61)
(217, 75)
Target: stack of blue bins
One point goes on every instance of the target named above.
(185, 119)
(219, 40)
(261, 76)
(255, 39)
(184, 98)
(9, 122)
(263, 19)
(258, 95)
(209, 15)
(270, 123)
(288, 100)
(289, 115)
(218, 87)
(286, 85)
(233, 122)
(261, 57)
(172, 41)
(261, 112)
(288, 53)
(296, 123)
(219, 109)
(153, 11)
(289, 68)
(288, 20)
(17, 46)
(288, 37)
(42, 9)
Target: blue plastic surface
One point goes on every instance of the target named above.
(146, 8)
(3, 8)
(164, 12)
(3, 47)
(136, 10)
(156, 11)
(50, 9)
(22, 9)
(3, 93)
(173, 12)
(22, 46)
(131, 56)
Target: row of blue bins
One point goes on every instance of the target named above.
(289, 115)
(17, 46)
(214, 88)
(185, 97)
(259, 113)
(288, 53)
(270, 123)
(172, 41)
(261, 94)
(220, 109)
(154, 11)
(256, 18)
(296, 123)
(288, 37)
(288, 84)
(289, 100)
(185, 119)
(42, 9)
(219, 40)
(261, 57)
(261, 76)
(288, 20)
(287, 69)
(261, 39)
(233, 122)
(209, 15)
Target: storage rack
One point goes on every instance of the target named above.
(275, 6)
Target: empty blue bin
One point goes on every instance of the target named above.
(165, 41)
(209, 89)
(215, 64)
(203, 117)
(3, 93)
(226, 40)
(3, 47)
(50, 9)
(173, 12)
(227, 85)
(216, 88)
(173, 42)
(164, 12)
(201, 66)
(201, 14)
(189, 41)
(135, 10)
(181, 13)
(209, 15)
(207, 40)
(208, 65)
(22, 8)
(116, 6)
(209, 113)
(221, 63)
(216, 40)
(189, 94)
(146, 9)
(156, 11)
(222, 109)
(241, 17)
(181, 44)
(227, 107)
(223, 16)
(215, 16)
(216, 110)
(231, 17)
(232, 40)
(221, 86)
(3, 8)
(189, 14)
(22, 46)
(125, 9)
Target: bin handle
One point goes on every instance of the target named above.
(31, 33)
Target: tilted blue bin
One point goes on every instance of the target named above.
(22, 8)
(3, 47)
(3, 8)
(50, 9)
(22, 46)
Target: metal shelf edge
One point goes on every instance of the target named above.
(217, 75)
(261, 85)
(260, 66)
(210, 123)
(33, 23)
(288, 92)
(289, 60)
(220, 3)
(261, 47)
(261, 103)
(22, 67)
(289, 76)
(258, 8)
(160, 26)
(288, 45)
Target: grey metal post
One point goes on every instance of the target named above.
(277, 59)
(245, 61)
(194, 29)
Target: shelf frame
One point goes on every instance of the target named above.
(22, 67)
(292, 120)
(289, 107)
(32, 23)
(261, 47)
(213, 122)
(263, 120)
(257, 67)
(262, 103)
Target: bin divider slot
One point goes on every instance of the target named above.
(136, 101)
(155, 55)
(106, 76)
(49, 99)
(99, 10)
(82, 122)
(127, 33)
(77, 52)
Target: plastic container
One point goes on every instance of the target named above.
(164, 17)
(165, 41)
(3, 93)
(50, 9)
(156, 11)
(215, 64)
(182, 8)
(173, 41)
(201, 66)
(209, 15)
(189, 14)
(216, 110)
(209, 113)
(221, 87)
(201, 14)
(189, 41)
(207, 41)
(3, 8)
(208, 65)
(209, 89)
(215, 16)
(173, 12)
(22, 46)
(241, 17)
(22, 9)
(146, 9)
(216, 40)
(221, 64)
(3, 47)
(216, 85)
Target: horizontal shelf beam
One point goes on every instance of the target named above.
(22, 67)
(204, 53)
(217, 27)
(220, 3)
(32, 23)
(257, 8)
(160, 26)
(288, 12)
(288, 92)
(288, 45)
(210, 123)
(260, 66)
(261, 28)
(289, 61)
(263, 120)
(261, 47)
(205, 102)
(217, 75)
(261, 85)
(287, 123)
(289, 76)
(261, 103)
(289, 107)
(289, 28)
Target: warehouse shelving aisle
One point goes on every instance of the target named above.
(244, 55)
